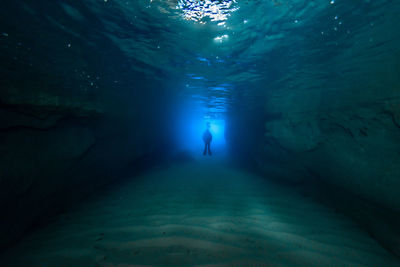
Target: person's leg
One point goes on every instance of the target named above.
(209, 150)
(205, 149)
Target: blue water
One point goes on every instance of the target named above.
(97, 48)
(299, 92)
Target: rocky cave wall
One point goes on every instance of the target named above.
(333, 113)
(331, 118)
(52, 154)
(72, 118)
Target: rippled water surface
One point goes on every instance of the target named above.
(216, 52)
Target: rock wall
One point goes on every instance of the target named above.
(356, 147)
(334, 123)
(61, 140)
(75, 111)
(332, 112)
(53, 154)
(329, 123)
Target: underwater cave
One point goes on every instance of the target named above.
(199, 133)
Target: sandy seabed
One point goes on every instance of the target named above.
(199, 214)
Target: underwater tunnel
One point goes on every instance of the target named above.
(199, 133)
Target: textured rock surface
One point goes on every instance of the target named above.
(334, 118)
(73, 112)
(354, 146)
(59, 144)
(52, 155)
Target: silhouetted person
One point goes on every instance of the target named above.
(207, 138)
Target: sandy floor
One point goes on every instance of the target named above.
(199, 214)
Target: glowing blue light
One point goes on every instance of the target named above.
(190, 133)
(215, 128)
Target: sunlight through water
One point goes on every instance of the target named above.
(200, 10)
